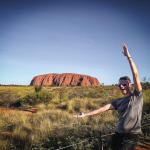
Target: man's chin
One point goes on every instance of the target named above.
(124, 92)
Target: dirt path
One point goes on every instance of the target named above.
(13, 110)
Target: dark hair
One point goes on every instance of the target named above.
(125, 78)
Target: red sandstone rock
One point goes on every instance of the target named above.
(64, 79)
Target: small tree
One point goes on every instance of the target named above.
(146, 83)
(38, 88)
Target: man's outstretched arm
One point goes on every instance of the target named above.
(97, 111)
(134, 70)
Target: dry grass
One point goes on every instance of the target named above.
(54, 125)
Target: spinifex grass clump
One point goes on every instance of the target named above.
(65, 130)
(15, 130)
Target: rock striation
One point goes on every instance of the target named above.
(64, 79)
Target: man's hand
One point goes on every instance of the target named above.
(125, 51)
(81, 115)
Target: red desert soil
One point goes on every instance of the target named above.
(27, 111)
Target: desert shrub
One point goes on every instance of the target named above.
(59, 95)
(62, 106)
(83, 105)
(74, 105)
(37, 97)
(16, 130)
(72, 137)
(63, 96)
(93, 94)
(75, 95)
(146, 98)
(38, 88)
(81, 136)
(145, 83)
(90, 105)
(13, 94)
(7, 97)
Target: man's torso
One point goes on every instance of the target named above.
(130, 112)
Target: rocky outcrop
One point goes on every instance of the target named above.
(64, 79)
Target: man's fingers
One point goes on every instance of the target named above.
(80, 115)
(125, 47)
(77, 116)
(125, 44)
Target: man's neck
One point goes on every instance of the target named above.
(128, 94)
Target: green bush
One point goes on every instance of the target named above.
(37, 97)
(38, 88)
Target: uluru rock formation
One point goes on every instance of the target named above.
(64, 79)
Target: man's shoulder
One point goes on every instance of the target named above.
(136, 94)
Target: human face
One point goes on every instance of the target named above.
(124, 86)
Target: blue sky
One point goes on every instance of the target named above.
(76, 36)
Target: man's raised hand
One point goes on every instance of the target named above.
(125, 51)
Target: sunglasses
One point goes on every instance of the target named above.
(122, 85)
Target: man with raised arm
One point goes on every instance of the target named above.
(129, 109)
